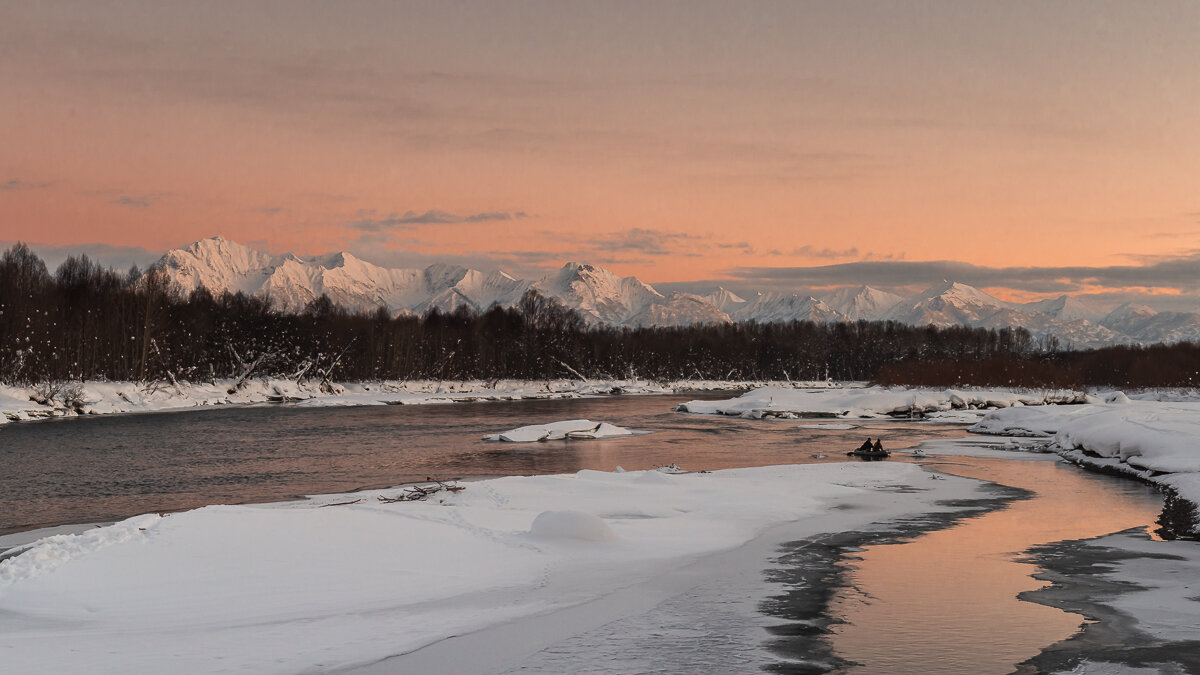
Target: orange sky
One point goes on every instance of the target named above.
(674, 141)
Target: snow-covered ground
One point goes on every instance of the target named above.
(342, 581)
(1154, 440)
(868, 402)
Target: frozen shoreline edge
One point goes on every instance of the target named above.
(94, 398)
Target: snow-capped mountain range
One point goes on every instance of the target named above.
(602, 297)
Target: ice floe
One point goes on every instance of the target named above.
(557, 431)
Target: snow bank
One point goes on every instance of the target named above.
(869, 402)
(558, 431)
(1157, 441)
(321, 585)
(99, 398)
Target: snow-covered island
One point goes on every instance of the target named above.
(560, 431)
(343, 581)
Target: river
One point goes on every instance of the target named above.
(937, 598)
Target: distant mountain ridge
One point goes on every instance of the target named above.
(604, 298)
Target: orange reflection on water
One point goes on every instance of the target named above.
(950, 597)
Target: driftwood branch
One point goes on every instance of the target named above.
(341, 503)
(326, 384)
(299, 374)
(574, 372)
(416, 493)
(246, 373)
(166, 368)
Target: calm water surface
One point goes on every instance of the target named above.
(946, 602)
(97, 469)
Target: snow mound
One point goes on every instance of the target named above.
(557, 431)
(841, 427)
(656, 477)
(571, 525)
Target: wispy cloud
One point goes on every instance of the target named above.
(646, 241)
(1180, 273)
(808, 251)
(372, 221)
(143, 202)
(17, 184)
(740, 246)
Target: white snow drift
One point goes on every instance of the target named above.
(322, 585)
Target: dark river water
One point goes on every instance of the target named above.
(80, 470)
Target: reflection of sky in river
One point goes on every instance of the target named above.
(947, 601)
(86, 470)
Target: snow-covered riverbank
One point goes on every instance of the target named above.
(1157, 441)
(874, 402)
(325, 584)
(101, 398)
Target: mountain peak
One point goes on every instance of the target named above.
(862, 303)
(599, 294)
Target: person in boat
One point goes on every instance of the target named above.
(877, 447)
(866, 446)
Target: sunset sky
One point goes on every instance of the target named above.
(1026, 147)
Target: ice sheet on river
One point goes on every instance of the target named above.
(867, 402)
(324, 584)
(557, 431)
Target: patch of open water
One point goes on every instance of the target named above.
(946, 601)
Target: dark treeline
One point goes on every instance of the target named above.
(1134, 367)
(85, 322)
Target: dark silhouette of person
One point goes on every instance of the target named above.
(878, 447)
(866, 446)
